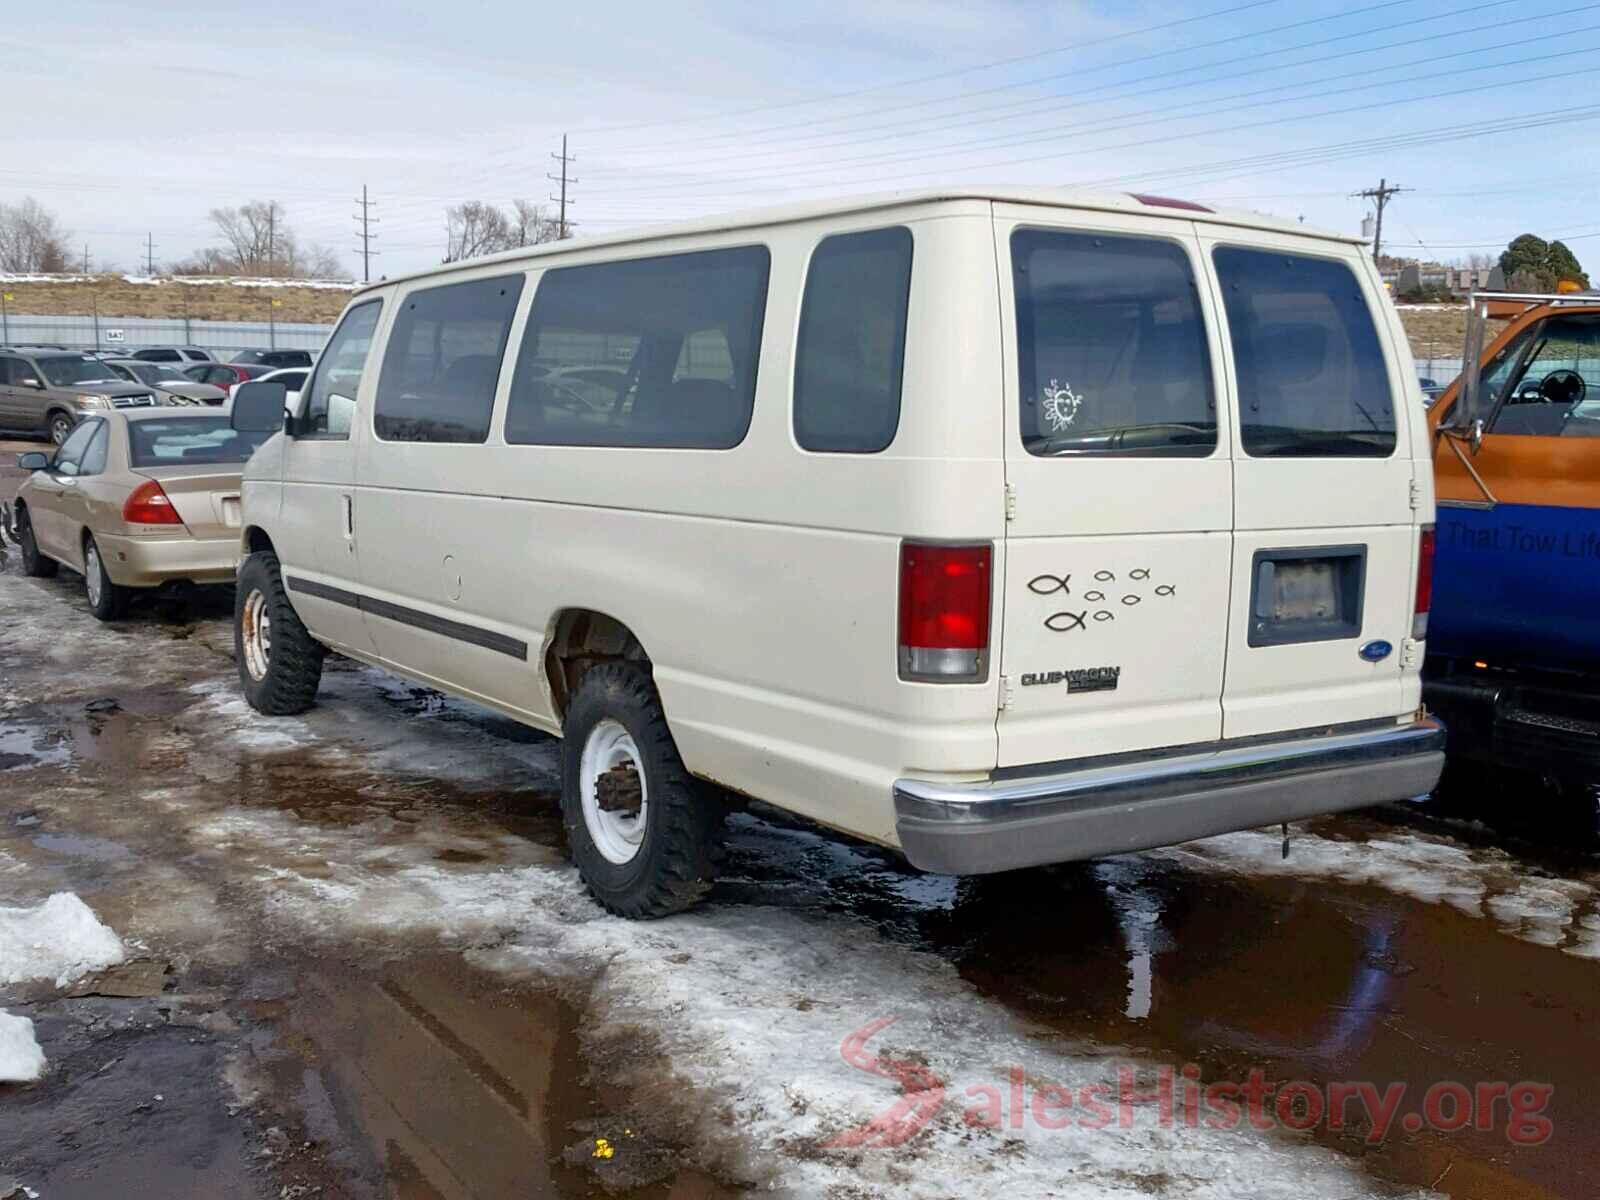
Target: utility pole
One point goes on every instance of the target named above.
(149, 254)
(563, 179)
(86, 258)
(1380, 196)
(272, 216)
(366, 220)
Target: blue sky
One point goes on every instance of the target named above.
(134, 120)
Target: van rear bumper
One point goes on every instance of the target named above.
(1100, 809)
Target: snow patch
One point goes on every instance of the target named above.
(60, 938)
(21, 1060)
(747, 1008)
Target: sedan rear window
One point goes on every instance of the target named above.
(1312, 378)
(187, 440)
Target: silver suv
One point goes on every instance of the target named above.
(49, 391)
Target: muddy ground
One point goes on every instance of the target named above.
(363, 968)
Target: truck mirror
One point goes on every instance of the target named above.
(259, 407)
(1469, 414)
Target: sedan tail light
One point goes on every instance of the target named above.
(1419, 613)
(148, 504)
(944, 612)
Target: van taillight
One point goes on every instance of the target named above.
(1419, 619)
(944, 612)
(147, 504)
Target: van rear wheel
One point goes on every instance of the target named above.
(280, 663)
(643, 833)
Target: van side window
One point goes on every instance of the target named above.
(1312, 377)
(331, 401)
(852, 345)
(1111, 347)
(443, 360)
(645, 352)
(1558, 391)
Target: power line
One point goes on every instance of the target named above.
(366, 220)
(563, 158)
(600, 131)
(1073, 75)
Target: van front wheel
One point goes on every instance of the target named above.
(643, 833)
(280, 663)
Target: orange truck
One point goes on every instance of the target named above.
(1513, 650)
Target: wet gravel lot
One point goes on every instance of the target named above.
(362, 967)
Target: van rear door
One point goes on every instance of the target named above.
(1120, 476)
(1325, 536)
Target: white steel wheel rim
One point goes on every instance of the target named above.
(256, 634)
(91, 574)
(617, 835)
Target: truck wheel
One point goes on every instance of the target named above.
(644, 835)
(61, 424)
(107, 600)
(33, 562)
(280, 663)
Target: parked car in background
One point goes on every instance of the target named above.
(274, 358)
(224, 375)
(172, 386)
(292, 378)
(49, 391)
(134, 501)
(1067, 526)
(173, 354)
(1432, 389)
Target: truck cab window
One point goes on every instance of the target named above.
(1551, 393)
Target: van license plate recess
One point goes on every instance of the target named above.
(1307, 594)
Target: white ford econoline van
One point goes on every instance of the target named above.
(1002, 527)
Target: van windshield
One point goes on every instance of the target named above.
(1111, 347)
(1311, 373)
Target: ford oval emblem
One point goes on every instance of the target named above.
(1376, 651)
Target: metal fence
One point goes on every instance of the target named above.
(110, 333)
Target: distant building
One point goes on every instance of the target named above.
(1458, 281)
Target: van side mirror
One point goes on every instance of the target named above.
(34, 460)
(259, 407)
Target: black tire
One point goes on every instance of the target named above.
(292, 667)
(34, 562)
(675, 863)
(59, 424)
(107, 600)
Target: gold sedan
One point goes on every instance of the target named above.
(136, 500)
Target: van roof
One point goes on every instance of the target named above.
(1121, 202)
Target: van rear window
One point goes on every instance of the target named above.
(1312, 377)
(642, 352)
(1111, 347)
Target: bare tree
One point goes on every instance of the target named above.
(257, 240)
(531, 225)
(476, 227)
(31, 239)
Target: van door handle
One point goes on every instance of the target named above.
(349, 516)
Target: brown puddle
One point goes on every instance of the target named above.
(1309, 981)
(451, 1083)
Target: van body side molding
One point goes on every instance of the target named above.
(1100, 809)
(444, 626)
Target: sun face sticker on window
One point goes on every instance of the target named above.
(1061, 405)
